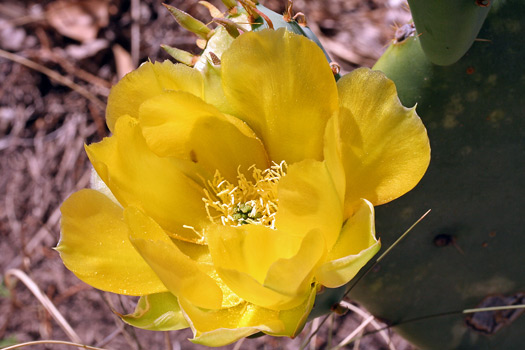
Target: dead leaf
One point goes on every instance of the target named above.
(80, 19)
(123, 61)
(85, 50)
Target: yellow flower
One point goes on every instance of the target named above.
(234, 197)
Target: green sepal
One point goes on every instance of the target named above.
(157, 312)
(180, 55)
(231, 27)
(229, 3)
(190, 23)
(278, 21)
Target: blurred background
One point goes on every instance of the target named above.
(58, 60)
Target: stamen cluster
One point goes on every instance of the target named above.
(249, 201)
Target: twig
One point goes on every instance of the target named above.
(68, 293)
(80, 73)
(112, 335)
(135, 32)
(44, 300)
(57, 55)
(53, 75)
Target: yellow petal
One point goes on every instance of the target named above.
(251, 290)
(225, 326)
(333, 156)
(94, 245)
(181, 125)
(282, 86)
(293, 276)
(157, 312)
(357, 244)
(295, 319)
(183, 276)
(249, 248)
(308, 200)
(138, 177)
(201, 255)
(244, 256)
(222, 327)
(385, 145)
(149, 80)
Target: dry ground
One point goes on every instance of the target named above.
(56, 69)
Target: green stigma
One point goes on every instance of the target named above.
(245, 214)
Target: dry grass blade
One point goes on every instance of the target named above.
(466, 311)
(53, 75)
(315, 325)
(374, 324)
(494, 308)
(352, 335)
(44, 300)
(449, 313)
(313, 333)
(61, 342)
(111, 336)
(239, 344)
(45, 230)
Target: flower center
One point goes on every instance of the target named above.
(250, 201)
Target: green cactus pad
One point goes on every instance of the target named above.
(468, 252)
(448, 27)
(415, 63)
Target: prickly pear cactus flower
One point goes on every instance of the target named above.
(226, 201)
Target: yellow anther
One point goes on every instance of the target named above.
(250, 201)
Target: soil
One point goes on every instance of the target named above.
(58, 61)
